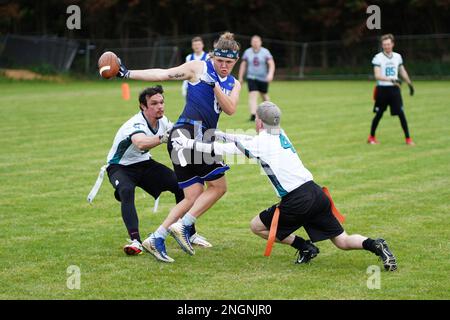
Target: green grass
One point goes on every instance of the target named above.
(55, 137)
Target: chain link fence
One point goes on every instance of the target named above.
(425, 56)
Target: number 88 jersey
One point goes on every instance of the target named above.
(389, 66)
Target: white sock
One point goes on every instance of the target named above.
(161, 232)
(188, 219)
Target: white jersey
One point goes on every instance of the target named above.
(123, 151)
(277, 157)
(389, 66)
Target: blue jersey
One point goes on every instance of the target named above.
(201, 103)
(192, 57)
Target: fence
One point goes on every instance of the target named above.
(426, 56)
(53, 53)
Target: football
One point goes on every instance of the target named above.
(108, 65)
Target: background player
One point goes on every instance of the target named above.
(259, 68)
(303, 202)
(197, 54)
(387, 65)
(211, 90)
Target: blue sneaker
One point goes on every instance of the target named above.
(181, 234)
(157, 248)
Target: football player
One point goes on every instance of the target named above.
(303, 203)
(387, 66)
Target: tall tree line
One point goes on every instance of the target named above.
(279, 19)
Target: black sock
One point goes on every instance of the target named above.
(134, 235)
(369, 245)
(299, 243)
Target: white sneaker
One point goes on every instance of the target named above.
(133, 248)
(200, 241)
(180, 233)
(157, 248)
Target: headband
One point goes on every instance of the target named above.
(226, 53)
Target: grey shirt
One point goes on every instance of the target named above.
(257, 67)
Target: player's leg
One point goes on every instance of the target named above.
(379, 108)
(263, 90)
(123, 181)
(357, 242)
(405, 128)
(253, 104)
(252, 98)
(373, 127)
(397, 105)
(288, 223)
(182, 230)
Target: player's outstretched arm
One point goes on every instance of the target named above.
(182, 142)
(228, 137)
(187, 71)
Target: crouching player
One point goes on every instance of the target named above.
(303, 202)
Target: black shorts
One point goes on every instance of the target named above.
(153, 177)
(308, 207)
(257, 85)
(199, 167)
(388, 96)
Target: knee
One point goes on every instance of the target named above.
(255, 225)
(126, 193)
(341, 243)
(220, 189)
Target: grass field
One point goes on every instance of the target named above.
(54, 138)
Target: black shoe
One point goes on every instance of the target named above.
(382, 250)
(252, 117)
(309, 252)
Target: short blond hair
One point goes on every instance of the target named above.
(388, 36)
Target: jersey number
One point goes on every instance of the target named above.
(390, 71)
(286, 144)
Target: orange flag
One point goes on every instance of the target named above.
(272, 232)
(125, 91)
(335, 211)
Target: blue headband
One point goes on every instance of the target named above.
(226, 53)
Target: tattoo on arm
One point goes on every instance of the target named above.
(176, 76)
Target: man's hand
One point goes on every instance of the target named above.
(123, 71)
(182, 142)
(269, 78)
(397, 82)
(165, 137)
(411, 89)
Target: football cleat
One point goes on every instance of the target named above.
(181, 233)
(307, 254)
(382, 250)
(409, 142)
(133, 248)
(372, 140)
(200, 241)
(157, 248)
